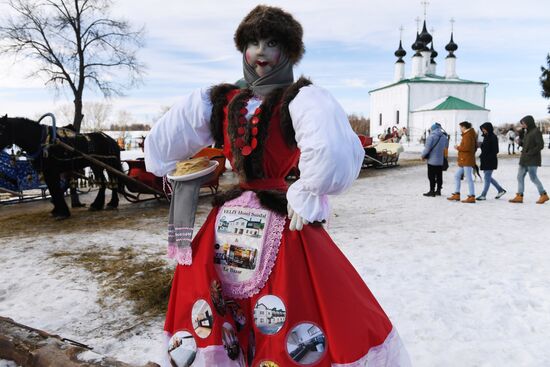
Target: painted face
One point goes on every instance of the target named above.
(263, 55)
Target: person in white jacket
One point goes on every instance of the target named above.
(263, 281)
(511, 138)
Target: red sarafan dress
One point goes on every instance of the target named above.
(256, 293)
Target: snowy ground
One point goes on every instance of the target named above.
(466, 285)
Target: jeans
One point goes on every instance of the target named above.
(488, 180)
(435, 175)
(532, 170)
(468, 173)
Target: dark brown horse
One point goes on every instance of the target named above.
(53, 160)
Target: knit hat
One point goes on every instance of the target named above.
(436, 125)
(265, 22)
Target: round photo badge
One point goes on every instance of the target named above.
(268, 364)
(269, 314)
(182, 349)
(202, 318)
(217, 297)
(237, 313)
(230, 341)
(306, 343)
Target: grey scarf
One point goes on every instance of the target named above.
(281, 76)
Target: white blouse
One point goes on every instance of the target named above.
(330, 152)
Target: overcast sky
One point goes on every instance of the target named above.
(349, 50)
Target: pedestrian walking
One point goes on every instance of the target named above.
(489, 161)
(466, 162)
(511, 138)
(530, 160)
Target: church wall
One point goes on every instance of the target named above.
(449, 120)
(424, 93)
(387, 102)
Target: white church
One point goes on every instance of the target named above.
(418, 101)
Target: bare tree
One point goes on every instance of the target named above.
(96, 115)
(76, 44)
(359, 124)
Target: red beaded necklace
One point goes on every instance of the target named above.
(240, 142)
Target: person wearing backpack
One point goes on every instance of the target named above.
(511, 137)
(489, 160)
(434, 152)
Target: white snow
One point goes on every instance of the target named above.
(465, 284)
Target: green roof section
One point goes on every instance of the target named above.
(453, 103)
(429, 78)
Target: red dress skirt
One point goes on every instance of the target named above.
(258, 294)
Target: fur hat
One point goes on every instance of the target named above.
(271, 22)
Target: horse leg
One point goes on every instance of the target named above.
(75, 200)
(99, 201)
(60, 210)
(113, 183)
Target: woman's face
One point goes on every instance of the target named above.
(263, 55)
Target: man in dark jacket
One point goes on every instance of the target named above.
(489, 161)
(530, 160)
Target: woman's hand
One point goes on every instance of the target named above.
(296, 221)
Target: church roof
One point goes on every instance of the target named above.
(449, 103)
(430, 78)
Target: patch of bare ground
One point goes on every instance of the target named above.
(123, 274)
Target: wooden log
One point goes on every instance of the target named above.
(29, 347)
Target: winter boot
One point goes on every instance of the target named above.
(455, 196)
(500, 194)
(471, 199)
(543, 198)
(429, 193)
(438, 192)
(517, 199)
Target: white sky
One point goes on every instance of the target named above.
(349, 50)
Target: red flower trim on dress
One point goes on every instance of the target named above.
(272, 242)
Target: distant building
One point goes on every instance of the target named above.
(424, 97)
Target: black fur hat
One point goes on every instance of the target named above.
(271, 22)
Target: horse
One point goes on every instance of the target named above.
(53, 160)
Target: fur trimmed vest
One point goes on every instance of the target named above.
(228, 97)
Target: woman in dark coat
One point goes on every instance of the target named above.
(489, 161)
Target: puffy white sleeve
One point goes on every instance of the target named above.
(331, 153)
(180, 133)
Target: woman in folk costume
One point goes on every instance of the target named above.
(262, 283)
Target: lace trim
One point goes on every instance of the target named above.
(183, 256)
(391, 353)
(272, 243)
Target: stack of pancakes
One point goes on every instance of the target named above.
(191, 166)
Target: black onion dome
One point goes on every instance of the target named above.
(434, 52)
(400, 51)
(425, 37)
(418, 45)
(451, 46)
